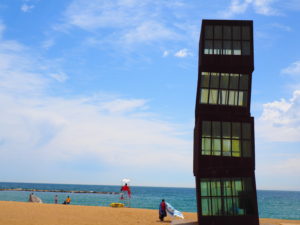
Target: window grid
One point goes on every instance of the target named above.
(233, 96)
(226, 197)
(235, 144)
(219, 44)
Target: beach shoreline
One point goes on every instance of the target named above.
(26, 213)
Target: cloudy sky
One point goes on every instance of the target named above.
(95, 91)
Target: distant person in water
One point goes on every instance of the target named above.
(67, 201)
(55, 199)
(162, 210)
(126, 188)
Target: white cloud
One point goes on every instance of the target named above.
(166, 53)
(26, 8)
(282, 27)
(293, 69)
(280, 120)
(54, 132)
(2, 28)
(48, 43)
(149, 31)
(122, 105)
(241, 6)
(182, 53)
(60, 76)
(127, 21)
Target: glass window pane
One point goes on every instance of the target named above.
(226, 130)
(214, 82)
(227, 32)
(246, 33)
(228, 206)
(205, 188)
(223, 97)
(236, 148)
(218, 32)
(234, 81)
(246, 48)
(206, 146)
(216, 129)
(245, 98)
(227, 188)
(227, 48)
(236, 33)
(213, 96)
(208, 32)
(216, 146)
(236, 130)
(217, 47)
(236, 48)
(238, 187)
(215, 188)
(216, 206)
(208, 47)
(235, 206)
(244, 81)
(247, 148)
(204, 96)
(246, 130)
(242, 98)
(205, 79)
(205, 205)
(226, 145)
(233, 98)
(224, 80)
(206, 129)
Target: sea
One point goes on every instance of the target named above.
(271, 204)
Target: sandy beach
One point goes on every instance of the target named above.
(23, 213)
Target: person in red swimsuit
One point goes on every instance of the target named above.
(126, 188)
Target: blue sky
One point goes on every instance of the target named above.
(95, 91)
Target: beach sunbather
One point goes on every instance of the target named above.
(67, 201)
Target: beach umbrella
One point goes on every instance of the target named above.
(173, 212)
(126, 180)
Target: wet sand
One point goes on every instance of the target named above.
(23, 213)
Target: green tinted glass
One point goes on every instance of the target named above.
(206, 146)
(205, 205)
(246, 130)
(206, 129)
(236, 130)
(216, 129)
(205, 79)
(226, 129)
(204, 96)
(213, 96)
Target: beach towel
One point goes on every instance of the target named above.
(173, 212)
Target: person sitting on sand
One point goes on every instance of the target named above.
(67, 201)
(162, 210)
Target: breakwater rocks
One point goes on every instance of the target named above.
(62, 191)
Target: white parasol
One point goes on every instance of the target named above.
(126, 180)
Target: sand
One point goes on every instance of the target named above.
(23, 213)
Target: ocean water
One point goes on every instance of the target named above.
(272, 204)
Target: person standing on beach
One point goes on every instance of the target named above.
(55, 199)
(126, 188)
(162, 210)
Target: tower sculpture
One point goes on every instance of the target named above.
(224, 156)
